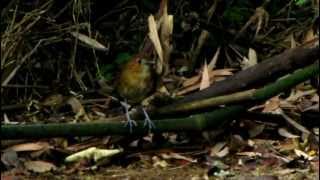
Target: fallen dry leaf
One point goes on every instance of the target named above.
(89, 41)
(177, 156)
(92, 153)
(39, 166)
(250, 61)
(285, 133)
(272, 104)
(219, 150)
(214, 60)
(193, 83)
(154, 37)
(157, 162)
(34, 146)
(205, 79)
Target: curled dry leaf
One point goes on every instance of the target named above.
(285, 133)
(89, 41)
(219, 150)
(92, 153)
(251, 60)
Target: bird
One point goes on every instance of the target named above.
(136, 81)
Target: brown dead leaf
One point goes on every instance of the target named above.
(193, 83)
(250, 154)
(53, 100)
(306, 156)
(272, 104)
(89, 41)
(214, 59)
(34, 146)
(154, 37)
(212, 73)
(219, 150)
(296, 95)
(165, 34)
(205, 79)
(39, 166)
(157, 162)
(250, 61)
(293, 41)
(173, 155)
(77, 108)
(187, 89)
(309, 36)
(285, 133)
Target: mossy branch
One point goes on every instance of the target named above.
(197, 122)
(261, 94)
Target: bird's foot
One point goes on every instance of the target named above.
(147, 120)
(130, 122)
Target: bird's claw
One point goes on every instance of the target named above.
(147, 120)
(130, 123)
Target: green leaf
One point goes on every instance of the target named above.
(106, 71)
(300, 2)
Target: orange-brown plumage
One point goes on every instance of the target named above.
(135, 81)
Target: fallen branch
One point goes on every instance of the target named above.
(198, 122)
(261, 94)
(266, 71)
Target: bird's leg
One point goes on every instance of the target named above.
(147, 120)
(130, 122)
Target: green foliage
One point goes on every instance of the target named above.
(106, 71)
(300, 2)
(236, 15)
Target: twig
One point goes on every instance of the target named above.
(14, 71)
